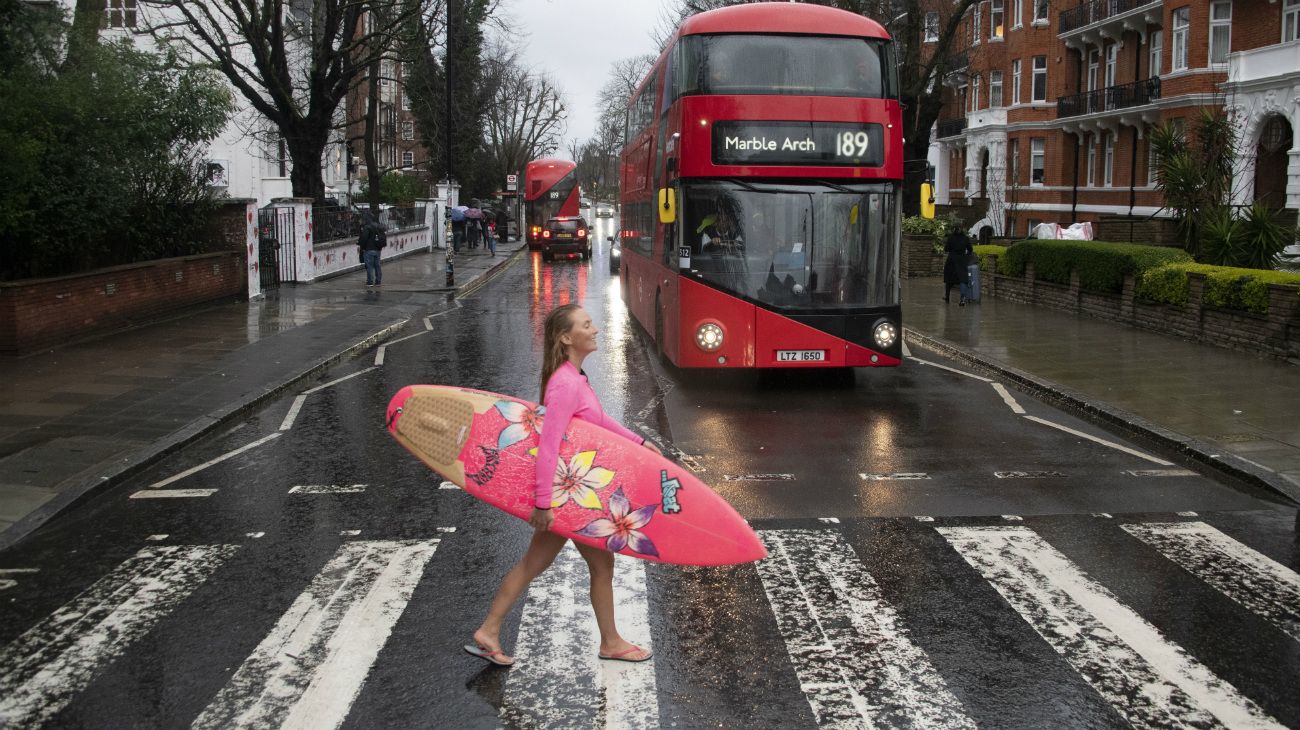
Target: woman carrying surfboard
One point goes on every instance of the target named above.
(569, 337)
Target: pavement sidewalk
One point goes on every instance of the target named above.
(1235, 412)
(88, 415)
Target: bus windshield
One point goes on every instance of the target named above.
(793, 246)
(787, 65)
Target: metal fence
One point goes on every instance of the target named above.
(275, 247)
(394, 218)
(1094, 12)
(333, 223)
(1110, 98)
(951, 127)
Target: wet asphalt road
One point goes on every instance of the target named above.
(939, 560)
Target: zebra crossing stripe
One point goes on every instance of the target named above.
(1255, 581)
(309, 669)
(557, 680)
(1149, 680)
(855, 663)
(42, 670)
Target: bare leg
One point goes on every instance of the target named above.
(601, 565)
(541, 552)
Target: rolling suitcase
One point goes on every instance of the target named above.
(970, 288)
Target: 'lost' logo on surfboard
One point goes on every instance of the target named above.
(668, 490)
(492, 459)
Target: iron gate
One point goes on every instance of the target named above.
(275, 250)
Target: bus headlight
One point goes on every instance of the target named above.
(709, 337)
(885, 334)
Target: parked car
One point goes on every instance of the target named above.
(566, 236)
(615, 255)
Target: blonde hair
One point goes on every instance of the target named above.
(555, 352)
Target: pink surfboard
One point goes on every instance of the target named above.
(609, 492)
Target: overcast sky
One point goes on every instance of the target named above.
(577, 40)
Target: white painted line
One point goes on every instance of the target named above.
(1187, 514)
(292, 415)
(328, 489)
(1252, 579)
(1013, 518)
(172, 493)
(829, 520)
(309, 669)
(906, 352)
(379, 355)
(952, 370)
(428, 323)
(42, 670)
(855, 663)
(556, 653)
(1103, 515)
(448, 485)
(758, 477)
(5, 583)
(1028, 474)
(218, 460)
(255, 535)
(19, 571)
(1006, 398)
(895, 476)
(923, 518)
(156, 538)
(345, 377)
(446, 529)
(349, 533)
(1101, 441)
(1161, 472)
(1149, 680)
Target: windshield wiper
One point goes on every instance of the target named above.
(743, 184)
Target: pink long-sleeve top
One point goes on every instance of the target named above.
(568, 395)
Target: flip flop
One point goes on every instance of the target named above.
(622, 656)
(484, 653)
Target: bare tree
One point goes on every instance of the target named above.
(294, 61)
(526, 117)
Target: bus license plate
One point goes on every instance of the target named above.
(800, 355)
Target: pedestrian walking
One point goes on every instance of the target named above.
(372, 241)
(568, 338)
(458, 226)
(959, 249)
(491, 233)
(474, 224)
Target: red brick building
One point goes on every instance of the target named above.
(397, 137)
(1047, 117)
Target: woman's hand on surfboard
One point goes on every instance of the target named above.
(541, 519)
(650, 445)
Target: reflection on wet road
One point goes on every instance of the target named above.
(945, 553)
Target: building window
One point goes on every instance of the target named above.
(1037, 160)
(1015, 161)
(1153, 164)
(408, 130)
(1181, 22)
(975, 93)
(995, 89)
(997, 13)
(121, 13)
(1094, 60)
(1015, 80)
(1112, 58)
(1040, 78)
(406, 101)
(1092, 160)
(1018, 13)
(975, 24)
(932, 27)
(1110, 160)
(1157, 41)
(1220, 31)
(408, 158)
(1290, 20)
(1040, 11)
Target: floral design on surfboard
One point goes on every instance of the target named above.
(624, 528)
(578, 481)
(524, 422)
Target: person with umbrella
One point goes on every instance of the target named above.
(458, 226)
(474, 223)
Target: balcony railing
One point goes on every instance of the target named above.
(1095, 11)
(958, 61)
(951, 127)
(1110, 98)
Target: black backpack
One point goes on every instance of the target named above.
(380, 237)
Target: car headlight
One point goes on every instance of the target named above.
(885, 334)
(615, 252)
(708, 337)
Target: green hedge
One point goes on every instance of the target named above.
(1101, 265)
(983, 252)
(1225, 287)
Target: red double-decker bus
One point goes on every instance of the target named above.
(550, 190)
(760, 183)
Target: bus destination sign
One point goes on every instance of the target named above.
(844, 144)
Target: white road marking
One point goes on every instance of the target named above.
(1253, 580)
(446, 529)
(448, 485)
(952, 370)
(309, 669)
(428, 323)
(255, 535)
(923, 518)
(328, 489)
(1013, 518)
(156, 538)
(1149, 680)
(1161, 472)
(42, 670)
(1103, 515)
(332, 383)
(1027, 474)
(6, 583)
(1101, 441)
(1006, 398)
(1187, 514)
(172, 493)
(379, 355)
(829, 520)
(19, 571)
(218, 460)
(758, 477)
(895, 476)
(558, 681)
(906, 352)
(855, 663)
(349, 533)
(292, 415)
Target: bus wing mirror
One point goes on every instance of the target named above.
(927, 200)
(667, 206)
